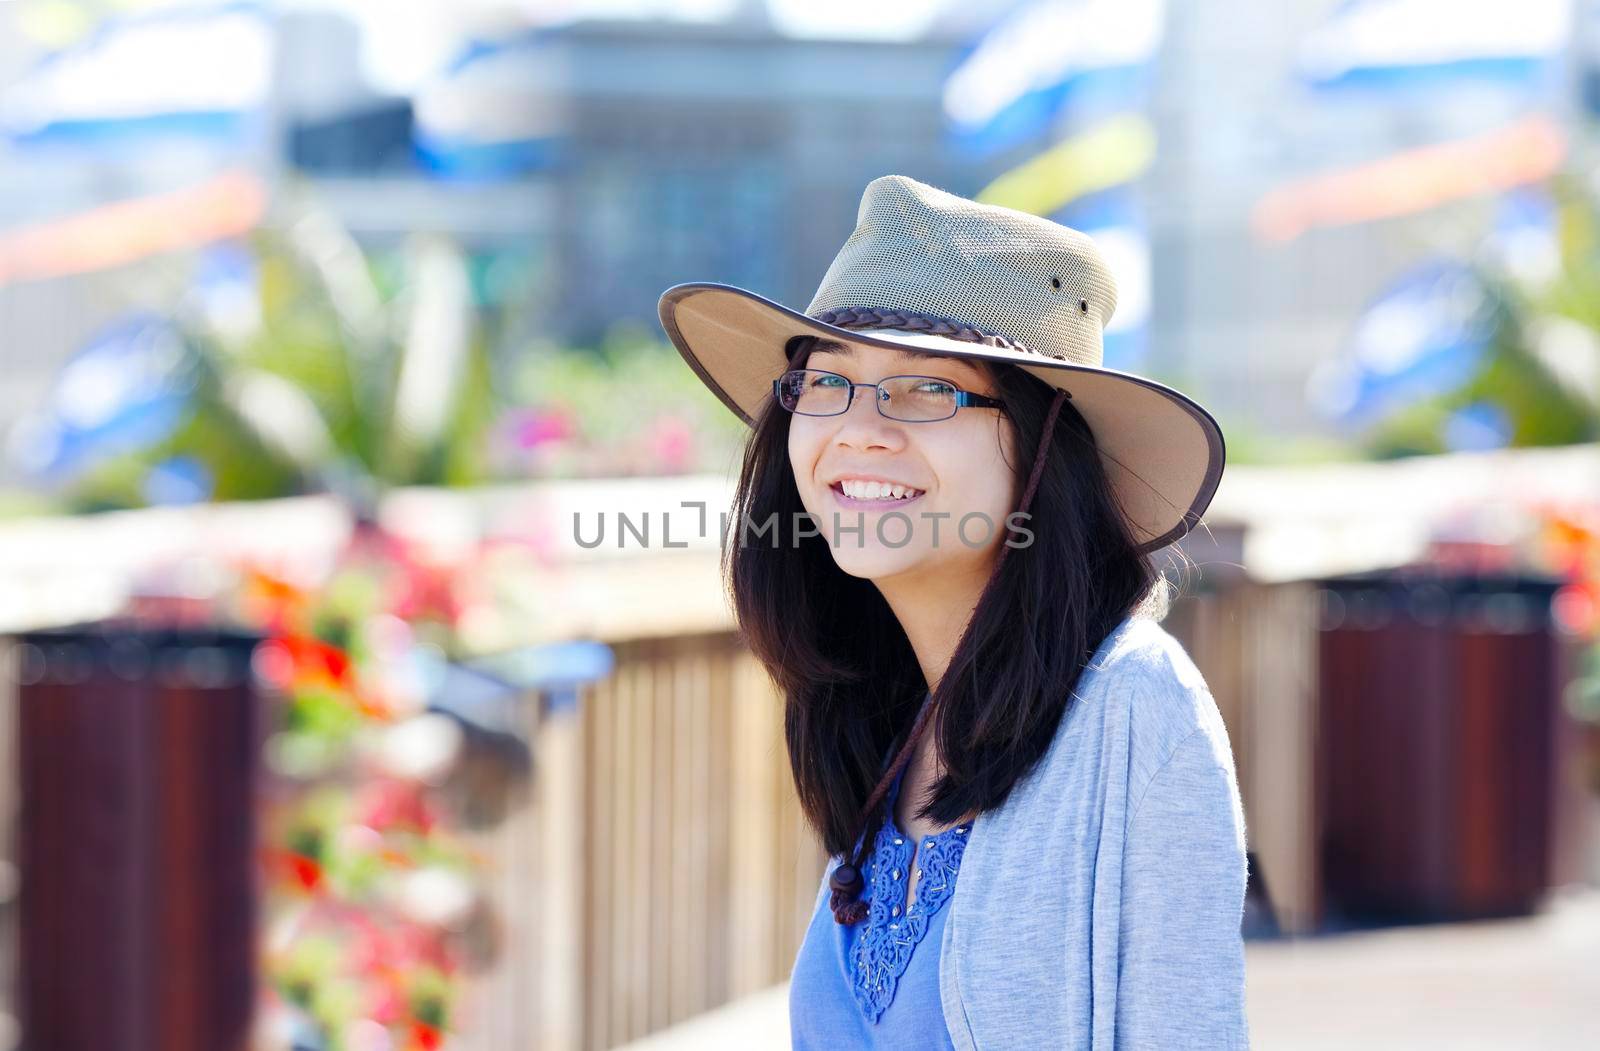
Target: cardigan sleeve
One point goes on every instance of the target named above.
(1180, 977)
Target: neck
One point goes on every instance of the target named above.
(933, 610)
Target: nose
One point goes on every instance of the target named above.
(863, 426)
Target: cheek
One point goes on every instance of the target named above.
(976, 472)
(804, 447)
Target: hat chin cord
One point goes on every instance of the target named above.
(847, 882)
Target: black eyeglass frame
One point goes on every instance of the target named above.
(965, 399)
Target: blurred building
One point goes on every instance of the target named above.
(672, 151)
(725, 152)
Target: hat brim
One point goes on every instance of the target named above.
(1163, 452)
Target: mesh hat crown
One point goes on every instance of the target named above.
(927, 270)
(1038, 285)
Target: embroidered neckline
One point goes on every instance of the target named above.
(892, 930)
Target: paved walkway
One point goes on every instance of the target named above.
(1530, 984)
(1523, 984)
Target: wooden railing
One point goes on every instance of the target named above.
(1256, 645)
(662, 867)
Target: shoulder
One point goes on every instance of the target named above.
(1139, 650)
(1152, 695)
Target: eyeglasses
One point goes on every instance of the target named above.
(909, 399)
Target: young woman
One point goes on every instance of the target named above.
(942, 552)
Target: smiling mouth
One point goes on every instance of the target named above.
(879, 496)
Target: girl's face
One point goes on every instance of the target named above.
(958, 469)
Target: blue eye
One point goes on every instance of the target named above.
(825, 380)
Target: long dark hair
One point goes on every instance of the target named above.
(853, 689)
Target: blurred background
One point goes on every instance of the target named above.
(367, 681)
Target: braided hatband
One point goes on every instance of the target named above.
(872, 317)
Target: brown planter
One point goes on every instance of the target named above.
(1438, 717)
(135, 839)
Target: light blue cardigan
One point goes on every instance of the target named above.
(1099, 907)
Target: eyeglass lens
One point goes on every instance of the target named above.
(813, 392)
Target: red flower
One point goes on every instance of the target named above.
(314, 661)
(306, 871)
(425, 1036)
(277, 604)
(288, 866)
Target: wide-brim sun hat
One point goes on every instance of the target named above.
(927, 270)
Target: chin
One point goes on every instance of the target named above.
(873, 562)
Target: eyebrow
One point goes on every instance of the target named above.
(847, 350)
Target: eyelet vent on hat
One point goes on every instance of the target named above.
(872, 317)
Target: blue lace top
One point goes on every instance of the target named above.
(869, 985)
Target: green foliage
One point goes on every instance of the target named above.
(1515, 377)
(335, 336)
(338, 335)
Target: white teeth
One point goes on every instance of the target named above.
(861, 490)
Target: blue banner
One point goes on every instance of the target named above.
(1048, 61)
(126, 390)
(188, 73)
(1392, 47)
(498, 112)
(1427, 334)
